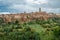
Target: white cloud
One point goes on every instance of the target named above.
(26, 8)
(43, 1)
(52, 10)
(37, 1)
(4, 12)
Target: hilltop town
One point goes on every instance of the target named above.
(23, 17)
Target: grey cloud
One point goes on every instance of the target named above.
(5, 4)
(52, 4)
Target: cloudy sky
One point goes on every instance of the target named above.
(16, 6)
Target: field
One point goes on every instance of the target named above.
(33, 30)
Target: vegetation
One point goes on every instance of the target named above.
(33, 30)
(16, 31)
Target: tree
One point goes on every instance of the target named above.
(1, 20)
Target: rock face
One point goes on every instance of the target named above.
(23, 17)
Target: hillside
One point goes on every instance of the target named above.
(24, 17)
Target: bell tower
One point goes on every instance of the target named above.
(39, 9)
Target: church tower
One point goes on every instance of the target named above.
(39, 9)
